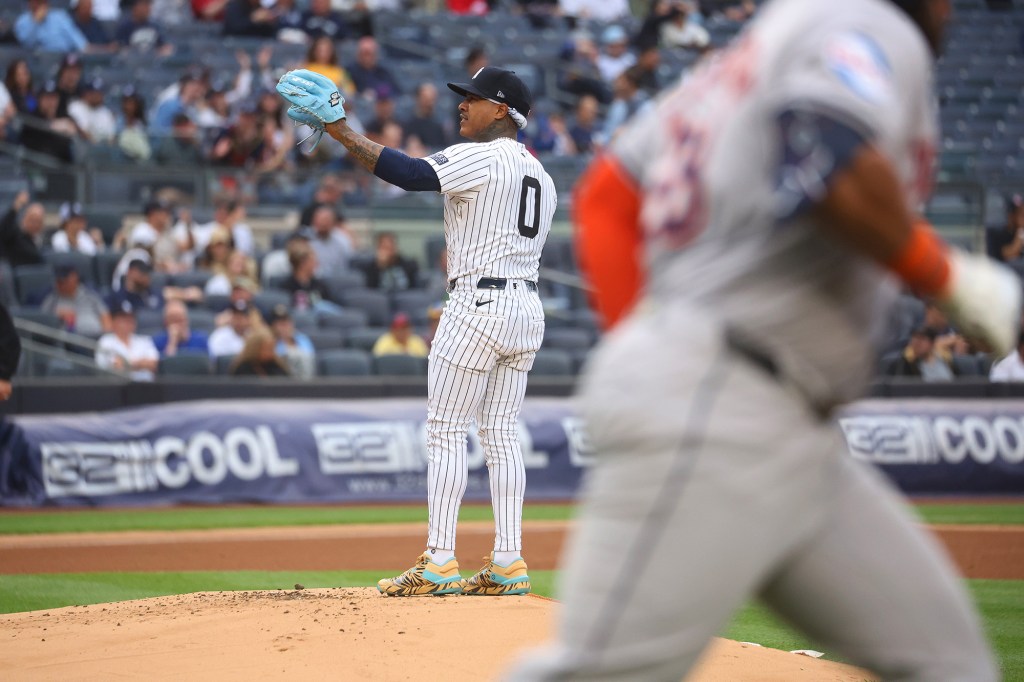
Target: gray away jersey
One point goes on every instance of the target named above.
(498, 206)
(707, 158)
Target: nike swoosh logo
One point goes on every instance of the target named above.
(480, 303)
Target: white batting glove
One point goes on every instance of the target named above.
(983, 300)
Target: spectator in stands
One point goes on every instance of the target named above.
(258, 358)
(20, 244)
(600, 11)
(229, 339)
(1010, 368)
(682, 30)
(107, 10)
(190, 93)
(178, 335)
(137, 289)
(548, 133)
(80, 309)
(20, 86)
(214, 111)
(400, 339)
(50, 30)
(331, 242)
(585, 124)
(8, 112)
(90, 26)
(1006, 242)
(46, 132)
(182, 147)
(94, 118)
(921, 360)
(249, 18)
(322, 58)
(308, 292)
(330, 190)
(216, 253)
(172, 12)
(541, 13)
(228, 216)
(475, 60)
(239, 145)
(132, 138)
(616, 56)
(237, 268)
(210, 10)
(123, 349)
(275, 265)
(383, 114)
(274, 155)
(734, 10)
(424, 124)
(389, 270)
(367, 72)
(160, 236)
(469, 7)
(69, 82)
(629, 101)
(579, 74)
(139, 32)
(293, 346)
(320, 21)
(74, 233)
(647, 62)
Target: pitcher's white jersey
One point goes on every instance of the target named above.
(720, 222)
(498, 206)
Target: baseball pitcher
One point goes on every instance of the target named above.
(773, 193)
(498, 205)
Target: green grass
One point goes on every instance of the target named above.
(192, 518)
(1001, 601)
(997, 514)
(176, 518)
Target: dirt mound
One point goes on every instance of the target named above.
(342, 633)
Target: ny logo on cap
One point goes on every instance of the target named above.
(501, 94)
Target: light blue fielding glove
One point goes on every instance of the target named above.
(312, 94)
(301, 117)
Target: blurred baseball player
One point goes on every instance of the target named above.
(498, 205)
(774, 190)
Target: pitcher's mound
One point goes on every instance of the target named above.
(352, 634)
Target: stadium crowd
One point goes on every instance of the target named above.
(170, 285)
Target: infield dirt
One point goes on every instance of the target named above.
(341, 634)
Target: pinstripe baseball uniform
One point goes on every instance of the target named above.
(498, 206)
(721, 475)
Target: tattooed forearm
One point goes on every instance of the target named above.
(364, 152)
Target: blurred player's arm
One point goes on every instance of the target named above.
(860, 201)
(609, 240)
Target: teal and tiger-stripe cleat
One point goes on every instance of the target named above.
(423, 579)
(496, 580)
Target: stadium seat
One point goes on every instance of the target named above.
(552, 362)
(415, 303)
(62, 367)
(222, 364)
(186, 363)
(399, 365)
(344, 320)
(364, 338)
(372, 302)
(567, 339)
(966, 366)
(33, 282)
(344, 363)
(326, 339)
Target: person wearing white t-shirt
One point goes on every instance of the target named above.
(1010, 368)
(94, 118)
(74, 234)
(123, 349)
(616, 57)
(229, 339)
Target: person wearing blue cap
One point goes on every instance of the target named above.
(615, 56)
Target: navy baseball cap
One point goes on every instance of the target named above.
(498, 85)
(123, 307)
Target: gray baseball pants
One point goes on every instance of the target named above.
(714, 482)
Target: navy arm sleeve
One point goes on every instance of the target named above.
(413, 175)
(815, 146)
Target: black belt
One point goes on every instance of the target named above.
(749, 350)
(494, 283)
